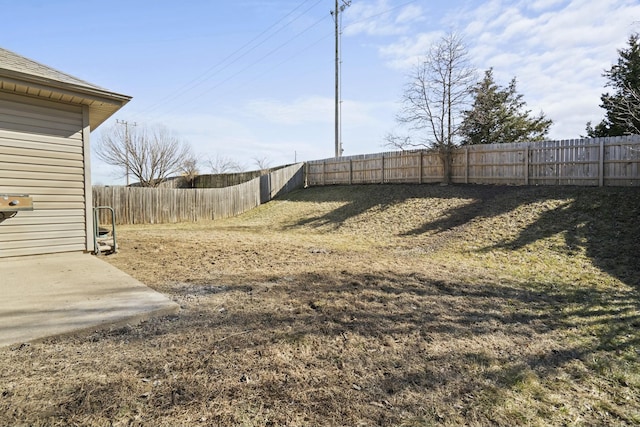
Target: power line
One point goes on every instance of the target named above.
(251, 65)
(381, 13)
(207, 75)
(226, 62)
(264, 72)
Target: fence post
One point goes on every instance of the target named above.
(558, 162)
(324, 172)
(305, 179)
(350, 171)
(420, 169)
(382, 169)
(466, 165)
(601, 164)
(526, 165)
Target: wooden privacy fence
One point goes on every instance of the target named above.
(220, 180)
(136, 205)
(597, 162)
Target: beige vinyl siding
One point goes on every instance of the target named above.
(42, 154)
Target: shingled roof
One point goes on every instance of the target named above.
(24, 76)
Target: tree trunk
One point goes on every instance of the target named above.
(446, 156)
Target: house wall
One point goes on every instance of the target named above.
(42, 154)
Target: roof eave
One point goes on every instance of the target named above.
(108, 102)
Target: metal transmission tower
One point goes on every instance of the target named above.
(337, 18)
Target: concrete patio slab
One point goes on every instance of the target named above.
(49, 295)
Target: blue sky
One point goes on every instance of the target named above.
(248, 79)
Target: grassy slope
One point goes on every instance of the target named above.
(386, 305)
(563, 260)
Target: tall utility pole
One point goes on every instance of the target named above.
(126, 143)
(336, 16)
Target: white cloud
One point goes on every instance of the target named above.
(408, 51)
(362, 114)
(540, 5)
(380, 18)
(558, 57)
(410, 14)
(557, 50)
(306, 110)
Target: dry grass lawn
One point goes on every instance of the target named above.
(365, 305)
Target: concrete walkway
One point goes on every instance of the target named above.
(48, 295)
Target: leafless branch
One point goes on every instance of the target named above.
(402, 143)
(263, 163)
(150, 154)
(628, 108)
(222, 164)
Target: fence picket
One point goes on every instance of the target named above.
(137, 205)
(601, 161)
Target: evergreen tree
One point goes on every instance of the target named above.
(497, 115)
(622, 106)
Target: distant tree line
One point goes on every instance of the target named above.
(151, 155)
(448, 107)
(444, 106)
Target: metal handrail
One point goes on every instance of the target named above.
(96, 228)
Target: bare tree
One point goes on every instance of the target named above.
(150, 154)
(628, 109)
(438, 91)
(222, 164)
(263, 163)
(402, 142)
(190, 170)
